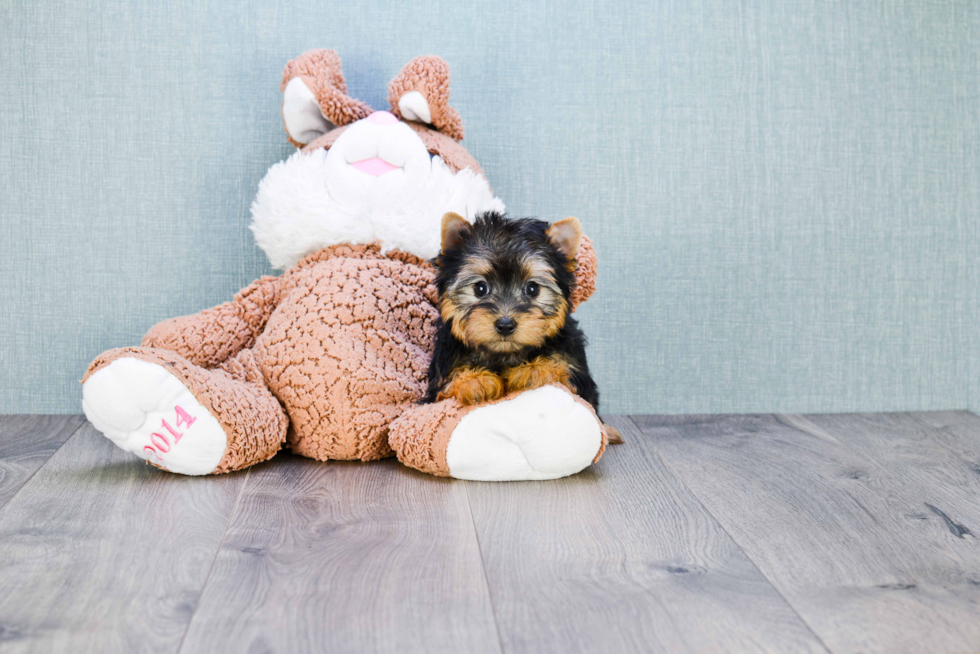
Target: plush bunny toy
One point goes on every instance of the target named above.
(331, 357)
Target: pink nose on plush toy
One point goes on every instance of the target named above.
(382, 118)
(374, 166)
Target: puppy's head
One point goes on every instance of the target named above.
(504, 285)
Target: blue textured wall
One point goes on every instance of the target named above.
(785, 196)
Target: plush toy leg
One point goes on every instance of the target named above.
(181, 417)
(545, 433)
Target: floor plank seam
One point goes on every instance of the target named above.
(41, 467)
(217, 552)
(732, 538)
(483, 566)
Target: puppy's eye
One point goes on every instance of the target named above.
(531, 289)
(480, 289)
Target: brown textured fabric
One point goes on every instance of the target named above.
(348, 348)
(585, 272)
(212, 336)
(429, 76)
(340, 344)
(235, 395)
(321, 72)
(421, 434)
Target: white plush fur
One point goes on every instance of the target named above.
(301, 114)
(317, 199)
(414, 106)
(128, 401)
(540, 434)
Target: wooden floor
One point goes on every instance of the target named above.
(768, 533)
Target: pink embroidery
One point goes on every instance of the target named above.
(160, 440)
(175, 434)
(184, 417)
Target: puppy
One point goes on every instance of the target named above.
(504, 298)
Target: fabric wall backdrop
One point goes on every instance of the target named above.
(785, 196)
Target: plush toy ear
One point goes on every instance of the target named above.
(315, 97)
(567, 236)
(454, 226)
(421, 93)
(414, 106)
(301, 114)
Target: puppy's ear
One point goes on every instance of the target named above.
(566, 235)
(454, 226)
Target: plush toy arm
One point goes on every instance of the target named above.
(585, 273)
(214, 335)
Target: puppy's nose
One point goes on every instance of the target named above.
(505, 326)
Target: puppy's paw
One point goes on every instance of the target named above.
(473, 386)
(539, 372)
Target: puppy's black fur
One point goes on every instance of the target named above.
(507, 270)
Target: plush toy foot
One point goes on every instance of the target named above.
(181, 417)
(145, 410)
(545, 433)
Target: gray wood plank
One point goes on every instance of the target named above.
(622, 558)
(346, 557)
(26, 442)
(930, 459)
(101, 553)
(959, 432)
(847, 542)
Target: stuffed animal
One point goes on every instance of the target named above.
(331, 357)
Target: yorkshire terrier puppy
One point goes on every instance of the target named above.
(504, 297)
